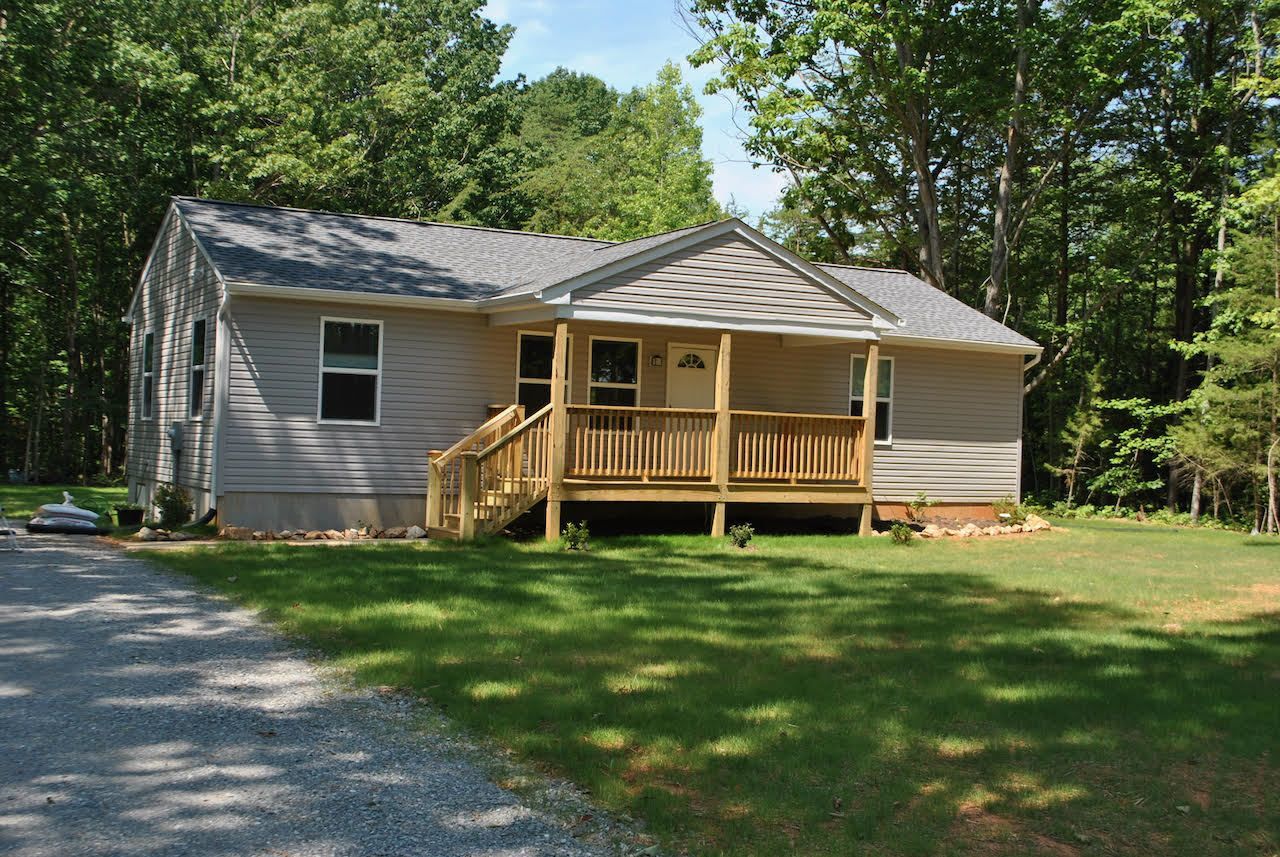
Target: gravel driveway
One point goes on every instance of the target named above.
(139, 716)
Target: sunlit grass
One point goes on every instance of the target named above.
(829, 695)
(21, 501)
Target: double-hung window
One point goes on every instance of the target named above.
(884, 394)
(350, 370)
(615, 372)
(533, 373)
(196, 390)
(148, 374)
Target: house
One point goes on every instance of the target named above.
(304, 369)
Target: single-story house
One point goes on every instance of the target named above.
(299, 369)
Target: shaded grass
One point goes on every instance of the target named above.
(1111, 689)
(21, 501)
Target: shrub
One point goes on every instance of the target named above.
(1016, 512)
(175, 505)
(741, 534)
(916, 507)
(576, 537)
(901, 534)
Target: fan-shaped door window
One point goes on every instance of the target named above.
(691, 361)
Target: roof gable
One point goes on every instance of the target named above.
(723, 268)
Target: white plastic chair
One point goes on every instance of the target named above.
(8, 533)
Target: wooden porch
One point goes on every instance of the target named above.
(580, 452)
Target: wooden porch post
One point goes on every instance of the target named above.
(869, 432)
(470, 491)
(720, 453)
(559, 429)
(435, 491)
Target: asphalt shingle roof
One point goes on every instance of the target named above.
(318, 250)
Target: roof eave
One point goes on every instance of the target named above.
(299, 293)
(1028, 347)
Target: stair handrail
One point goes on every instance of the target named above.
(444, 492)
(521, 457)
(511, 435)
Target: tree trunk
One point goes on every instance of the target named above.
(915, 116)
(1196, 487)
(1004, 191)
(1064, 235)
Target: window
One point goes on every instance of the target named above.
(615, 372)
(884, 394)
(196, 395)
(533, 370)
(691, 361)
(148, 374)
(350, 370)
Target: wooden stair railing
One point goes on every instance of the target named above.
(500, 482)
(444, 469)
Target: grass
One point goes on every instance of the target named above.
(21, 501)
(1111, 689)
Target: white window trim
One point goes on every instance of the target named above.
(568, 375)
(612, 385)
(192, 367)
(377, 373)
(888, 400)
(148, 416)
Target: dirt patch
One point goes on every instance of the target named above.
(997, 835)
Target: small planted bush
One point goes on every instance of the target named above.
(917, 507)
(175, 505)
(741, 535)
(576, 537)
(1009, 510)
(901, 534)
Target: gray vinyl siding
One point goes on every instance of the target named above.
(726, 276)
(955, 427)
(179, 288)
(439, 373)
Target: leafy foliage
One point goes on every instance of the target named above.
(576, 537)
(174, 504)
(901, 533)
(740, 535)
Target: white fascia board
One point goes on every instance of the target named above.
(663, 319)
(524, 315)
(146, 266)
(961, 344)
(262, 290)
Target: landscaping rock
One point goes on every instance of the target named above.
(314, 536)
(285, 534)
(259, 535)
(146, 534)
(1035, 523)
(351, 534)
(932, 531)
(415, 532)
(991, 531)
(395, 532)
(333, 535)
(180, 537)
(237, 534)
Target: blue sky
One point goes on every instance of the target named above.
(625, 43)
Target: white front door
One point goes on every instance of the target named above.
(691, 376)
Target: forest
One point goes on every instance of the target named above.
(1101, 176)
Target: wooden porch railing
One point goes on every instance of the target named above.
(795, 447)
(643, 443)
(444, 492)
(514, 472)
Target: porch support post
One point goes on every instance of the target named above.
(559, 429)
(435, 491)
(720, 452)
(470, 491)
(869, 432)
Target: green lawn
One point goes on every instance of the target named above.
(20, 501)
(1112, 689)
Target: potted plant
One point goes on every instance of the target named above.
(129, 514)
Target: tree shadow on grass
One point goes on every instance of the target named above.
(762, 704)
